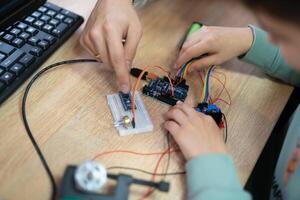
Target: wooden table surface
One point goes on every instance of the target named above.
(69, 115)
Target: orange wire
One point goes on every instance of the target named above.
(151, 190)
(131, 152)
(138, 82)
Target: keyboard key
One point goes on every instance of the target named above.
(33, 41)
(29, 20)
(8, 38)
(42, 9)
(54, 22)
(27, 60)
(8, 28)
(2, 86)
(21, 26)
(45, 18)
(7, 78)
(38, 24)
(2, 57)
(1, 71)
(24, 36)
(6, 48)
(60, 29)
(60, 17)
(51, 13)
(18, 42)
(10, 60)
(52, 6)
(43, 44)
(36, 51)
(69, 14)
(36, 14)
(48, 28)
(15, 31)
(50, 39)
(17, 69)
(2, 33)
(32, 31)
(69, 21)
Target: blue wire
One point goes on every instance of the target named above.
(207, 84)
(182, 70)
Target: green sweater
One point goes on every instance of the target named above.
(214, 176)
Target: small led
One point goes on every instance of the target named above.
(125, 121)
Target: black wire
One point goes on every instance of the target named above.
(29, 133)
(146, 172)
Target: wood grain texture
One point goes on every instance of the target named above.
(69, 116)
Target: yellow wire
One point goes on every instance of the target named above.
(186, 70)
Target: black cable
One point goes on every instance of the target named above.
(146, 172)
(29, 133)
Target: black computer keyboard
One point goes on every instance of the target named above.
(25, 45)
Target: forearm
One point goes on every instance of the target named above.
(214, 177)
(268, 57)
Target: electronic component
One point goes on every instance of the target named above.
(161, 89)
(70, 191)
(146, 76)
(126, 100)
(125, 121)
(90, 176)
(123, 117)
(211, 110)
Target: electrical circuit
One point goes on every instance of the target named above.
(175, 88)
(161, 89)
(121, 108)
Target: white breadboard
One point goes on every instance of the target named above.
(143, 122)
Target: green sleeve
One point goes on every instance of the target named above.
(214, 177)
(268, 57)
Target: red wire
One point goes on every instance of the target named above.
(151, 190)
(224, 88)
(130, 152)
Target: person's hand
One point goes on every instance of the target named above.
(195, 133)
(219, 43)
(111, 23)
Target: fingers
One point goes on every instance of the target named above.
(171, 126)
(117, 57)
(86, 41)
(99, 44)
(205, 62)
(176, 115)
(134, 35)
(188, 53)
(188, 110)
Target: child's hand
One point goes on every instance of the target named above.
(220, 43)
(195, 133)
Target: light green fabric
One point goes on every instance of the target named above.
(214, 177)
(267, 57)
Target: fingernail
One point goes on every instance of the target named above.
(179, 102)
(125, 88)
